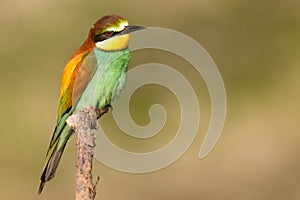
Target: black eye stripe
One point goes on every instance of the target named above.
(99, 37)
(104, 36)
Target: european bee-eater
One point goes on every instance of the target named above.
(99, 65)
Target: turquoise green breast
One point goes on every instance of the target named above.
(108, 80)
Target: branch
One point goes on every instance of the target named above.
(83, 123)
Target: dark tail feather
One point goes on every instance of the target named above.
(41, 187)
(49, 170)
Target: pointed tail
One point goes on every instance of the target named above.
(54, 155)
(51, 166)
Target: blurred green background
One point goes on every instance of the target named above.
(256, 47)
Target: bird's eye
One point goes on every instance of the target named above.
(109, 34)
(103, 36)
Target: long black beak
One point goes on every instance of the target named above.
(130, 29)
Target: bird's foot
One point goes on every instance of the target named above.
(102, 111)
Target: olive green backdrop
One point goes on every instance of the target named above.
(256, 47)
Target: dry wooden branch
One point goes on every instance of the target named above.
(83, 123)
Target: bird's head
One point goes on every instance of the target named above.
(110, 33)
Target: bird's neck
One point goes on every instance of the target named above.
(106, 58)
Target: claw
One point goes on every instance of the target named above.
(110, 107)
(102, 111)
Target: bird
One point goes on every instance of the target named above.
(94, 76)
